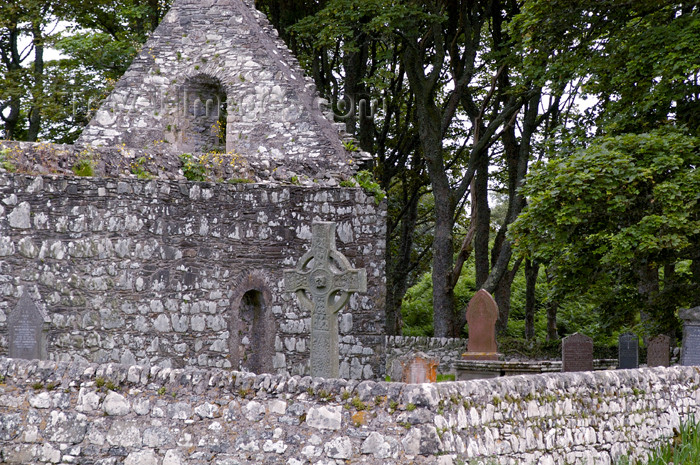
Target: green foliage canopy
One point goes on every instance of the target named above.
(621, 204)
(638, 58)
(54, 99)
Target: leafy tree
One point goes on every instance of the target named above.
(107, 35)
(24, 32)
(621, 216)
(54, 99)
(356, 63)
(447, 74)
(639, 60)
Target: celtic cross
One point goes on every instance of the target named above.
(323, 281)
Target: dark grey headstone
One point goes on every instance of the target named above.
(659, 351)
(577, 353)
(690, 352)
(628, 351)
(26, 330)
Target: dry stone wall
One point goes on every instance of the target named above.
(56, 412)
(179, 274)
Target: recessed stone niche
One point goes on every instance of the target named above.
(201, 121)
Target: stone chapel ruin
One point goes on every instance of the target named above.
(183, 284)
(182, 274)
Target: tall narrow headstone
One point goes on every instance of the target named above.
(482, 313)
(577, 353)
(323, 282)
(26, 330)
(628, 351)
(690, 351)
(659, 351)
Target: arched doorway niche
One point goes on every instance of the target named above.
(252, 327)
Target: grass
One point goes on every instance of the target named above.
(683, 448)
(83, 167)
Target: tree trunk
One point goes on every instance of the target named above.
(517, 159)
(502, 296)
(695, 269)
(648, 289)
(354, 64)
(480, 198)
(38, 88)
(398, 269)
(430, 120)
(648, 284)
(444, 318)
(12, 119)
(531, 271)
(13, 63)
(552, 307)
(154, 13)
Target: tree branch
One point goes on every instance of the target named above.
(464, 252)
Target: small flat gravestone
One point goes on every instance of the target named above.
(419, 368)
(659, 351)
(26, 330)
(690, 351)
(628, 351)
(577, 353)
(482, 313)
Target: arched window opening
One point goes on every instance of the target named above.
(203, 122)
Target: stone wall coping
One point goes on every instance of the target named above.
(482, 391)
(182, 186)
(536, 366)
(478, 365)
(691, 315)
(399, 341)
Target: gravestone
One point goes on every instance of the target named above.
(323, 281)
(26, 330)
(414, 368)
(482, 313)
(659, 351)
(577, 353)
(690, 351)
(420, 370)
(628, 351)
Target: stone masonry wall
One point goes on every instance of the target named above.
(163, 272)
(115, 414)
(273, 112)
